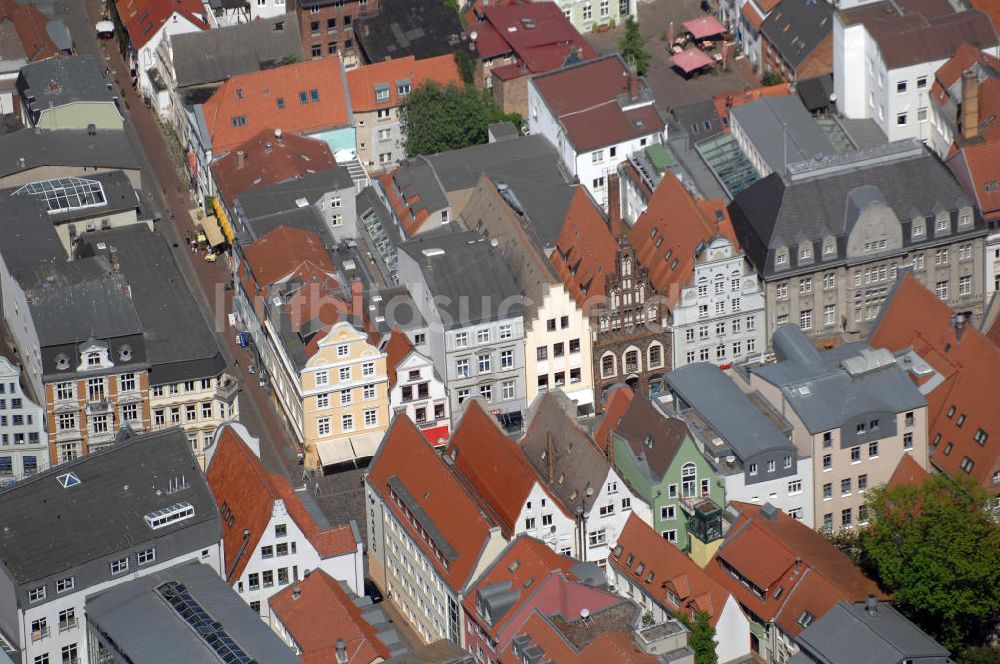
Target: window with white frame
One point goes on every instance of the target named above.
(347, 422)
(323, 426)
(371, 418)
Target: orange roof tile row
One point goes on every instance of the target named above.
(618, 400)
(317, 612)
(969, 364)
(785, 555)
(665, 567)
(585, 250)
(407, 457)
(282, 251)
(670, 231)
(144, 18)
(908, 472)
(297, 98)
(244, 490)
(730, 100)
(362, 81)
(977, 167)
(396, 350)
(610, 646)
(411, 221)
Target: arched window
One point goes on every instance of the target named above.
(689, 480)
(608, 365)
(631, 361)
(655, 360)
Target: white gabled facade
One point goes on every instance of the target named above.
(603, 522)
(24, 442)
(142, 59)
(284, 554)
(720, 316)
(422, 396)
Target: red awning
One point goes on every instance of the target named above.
(691, 60)
(704, 27)
(436, 435)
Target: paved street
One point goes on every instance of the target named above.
(671, 88)
(165, 192)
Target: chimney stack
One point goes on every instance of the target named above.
(871, 605)
(341, 651)
(357, 300)
(970, 104)
(614, 205)
(241, 159)
(633, 81)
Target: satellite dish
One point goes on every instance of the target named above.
(584, 613)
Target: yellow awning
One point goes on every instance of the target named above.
(220, 214)
(212, 231)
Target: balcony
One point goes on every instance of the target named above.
(39, 634)
(65, 625)
(228, 389)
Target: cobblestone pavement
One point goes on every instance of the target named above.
(671, 89)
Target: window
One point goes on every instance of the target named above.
(668, 513)
(794, 487)
(829, 314)
(827, 524)
(485, 363)
(371, 418)
(345, 397)
(70, 654)
(36, 594)
(347, 422)
(922, 114)
(507, 390)
(267, 578)
(606, 510)
(323, 400)
(322, 377)
(368, 392)
(598, 183)
(855, 454)
(574, 345)
(921, 82)
(486, 391)
(670, 535)
(753, 469)
(62, 585)
(558, 349)
(805, 285)
(980, 436)
(280, 530)
(483, 336)
(462, 395)
(901, 119)
(119, 566)
(845, 517)
(805, 319)
(965, 285)
(827, 491)
(770, 466)
(462, 368)
(146, 556)
(597, 156)
(506, 359)
(238, 121)
(908, 441)
(862, 482)
(588, 13)
(873, 450)
(845, 487)
(781, 291)
(529, 523)
(253, 581)
(626, 504)
(506, 331)
(900, 87)
(323, 426)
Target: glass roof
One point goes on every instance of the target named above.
(63, 194)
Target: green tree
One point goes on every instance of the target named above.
(466, 67)
(633, 46)
(771, 78)
(979, 656)
(703, 639)
(436, 118)
(936, 549)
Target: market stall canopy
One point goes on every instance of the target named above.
(704, 27)
(212, 232)
(691, 60)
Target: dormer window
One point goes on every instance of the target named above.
(92, 359)
(781, 257)
(805, 253)
(918, 229)
(964, 219)
(125, 353)
(942, 223)
(829, 247)
(62, 362)
(381, 92)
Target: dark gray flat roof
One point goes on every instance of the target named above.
(782, 130)
(147, 629)
(281, 196)
(94, 307)
(48, 529)
(106, 148)
(29, 237)
(212, 56)
(421, 28)
(179, 343)
(726, 409)
(63, 80)
(469, 275)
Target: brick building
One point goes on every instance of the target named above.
(327, 27)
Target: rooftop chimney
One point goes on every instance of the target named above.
(871, 605)
(633, 81)
(357, 303)
(241, 159)
(296, 592)
(614, 205)
(341, 651)
(970, 104)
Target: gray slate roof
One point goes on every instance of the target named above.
(29, 237)
(179, 343)
(814, 199)
(654, 439)
(831, 388)
(65, 147)
(126, 612)
(781, 129)
(281, 196)
(574, 455)
(469, 275)
(64, 80)
(212, 56)
(848, 634)
(96, 306)
(52, 529)
(713, 395)
(796, 28)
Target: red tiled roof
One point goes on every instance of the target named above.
(752, 16)
(30, 25)
(618, 400)
(966, 56)
(244, 489)
(321, 614)
(408, 458)
(272, 99)
(610, 646)
(969, 364)
(585, 250)
(670, 568)
(681, 226)
(267, 160)
(144, 18)
(361, 81)
(811, 573)
(402, 206)
(584, 98)
(990, 7)
(493, 464)
(525, 561)
(908, 471)
(281, 251)
(976, 167)
(767, 5)
(538, 35)
(396, 350)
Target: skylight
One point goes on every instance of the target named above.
(169, 515)
(62, 194)
(210, 630)
(68, 480)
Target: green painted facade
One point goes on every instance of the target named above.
(664, 494)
